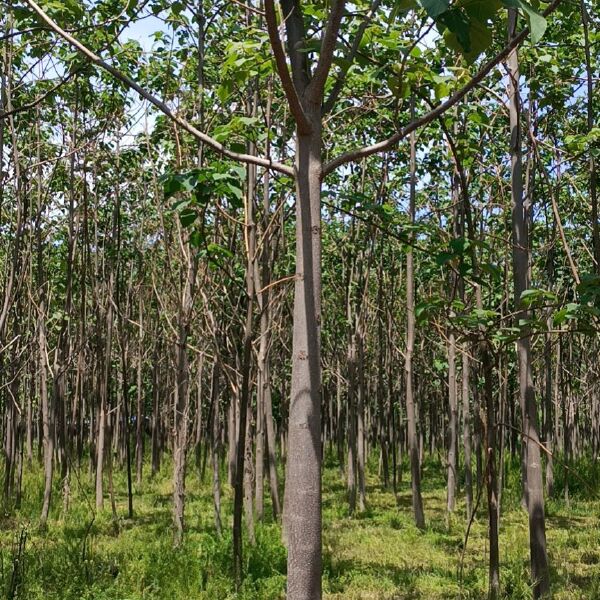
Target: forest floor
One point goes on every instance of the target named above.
(375, 555)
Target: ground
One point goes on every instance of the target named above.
(375, 555)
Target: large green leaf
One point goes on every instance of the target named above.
(480, 10)
(537, 22)
(435, 8)
(471, 42)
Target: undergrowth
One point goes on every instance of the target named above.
(375, 555)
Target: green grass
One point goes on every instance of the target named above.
(376, 555)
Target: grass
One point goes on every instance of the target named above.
(375, 555)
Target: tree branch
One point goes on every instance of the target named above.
(289, 88)
(39, 99)
(339, 83)
(328, 43)
(296, 34)
(392, 141)
(203, 137)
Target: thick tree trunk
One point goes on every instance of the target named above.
(303, 477)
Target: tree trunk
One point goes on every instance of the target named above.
(303, 477)
(413, 442)
(520, 244)
(452, 424)
(214, 446)
(139, 412)
(182, 405)
(491, 477)
(466, 410)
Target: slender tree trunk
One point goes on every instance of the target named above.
(126, 423)
(243, 432)
(360, 422)
(466, 410)
(591, 117)
(351, 425)
(259, 467)
(155, 415)
(535, 501)
(47, 424)
(413, 443)
(104, 375)
(452, 425)
(139, 412)
(232, 433)
(491, 476)
(182, 404)
(214, 447)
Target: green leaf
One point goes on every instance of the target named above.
(459, 25)
(465, 34)
(403, 6)
(537, 22)
(435, 8)
(480, 10)
(187, 216)
(444, 257)
(196, 239)
(533, 296)
(460, 245)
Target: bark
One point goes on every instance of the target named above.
(259, 468)
(351, 425)
(520, 244)
(155, 416)
(303, 478)
(491, 477)
(244, 449)
(48, 440)
(585, 18)
(413, 442)
(360, 423)
(452, 425)
(182, 404)
(139, 412)
(214, 446)
(466, 411)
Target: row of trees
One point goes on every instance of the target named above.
(170, 291)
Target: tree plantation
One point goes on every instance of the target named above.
(299, 299)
